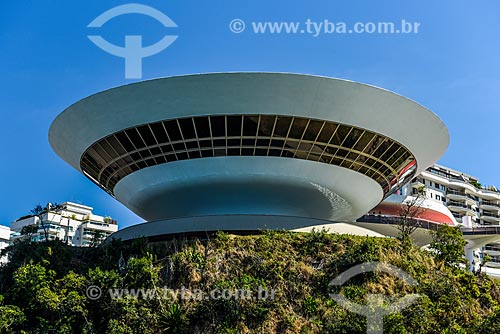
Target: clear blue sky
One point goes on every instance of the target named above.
(47, 63)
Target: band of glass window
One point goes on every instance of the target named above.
(112, 158)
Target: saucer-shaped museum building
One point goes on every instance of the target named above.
(247, 151)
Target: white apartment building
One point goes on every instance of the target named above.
(468, 200)
(470, 203)
(72, 223)
(4, 240)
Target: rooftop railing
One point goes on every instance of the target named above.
(456, 192)
(460, 179)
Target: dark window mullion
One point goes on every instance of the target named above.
(108, 157)
(196, 135)
(157, 145)
(110, 151)
(315, 140)
(119, 155)
(145, 148)
(352, 149)
(256, 136)
(182, 136)
(387, 149)
(225, 131)
(341, 145)
(397, 154)
(329, 141)
(241, 137)
(169, 140)
(363, 150)
(271, 137)
(372, 154)
(211, 135)
(286, 136)
(98, 159)
(301, 137)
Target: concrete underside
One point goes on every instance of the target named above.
(251, 224)
(240, 224)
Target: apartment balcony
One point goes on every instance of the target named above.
(53, 230)
(490, 206)
(490, 218)
(492, 250)
(88, 236)
(494, 262)
(461, 208)
(456, 195)
(100, 226)
(462, 184)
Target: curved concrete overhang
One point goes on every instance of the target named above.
(251, 185)
(346, 102)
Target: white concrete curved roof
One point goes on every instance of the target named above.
(375, 109)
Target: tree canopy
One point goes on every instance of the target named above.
(51, 287)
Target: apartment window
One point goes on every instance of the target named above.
(438, 197)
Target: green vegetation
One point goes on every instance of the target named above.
(476, 184)
(449, 245)
(43, 287)
(408, 212)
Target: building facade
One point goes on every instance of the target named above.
(471, 203)
(4, 240)
(73, 223)
(246, 151)
(454, 198)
